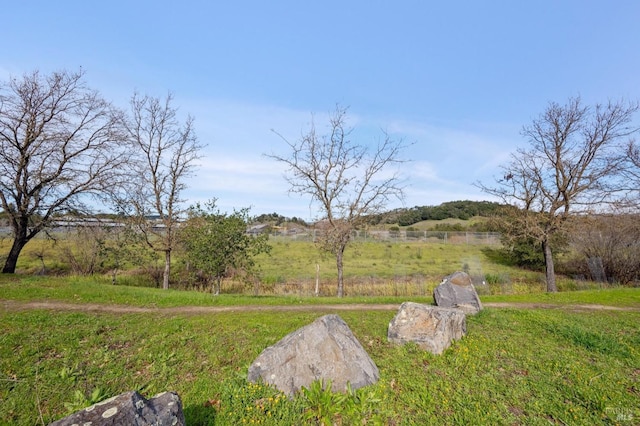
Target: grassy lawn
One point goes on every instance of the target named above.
(515, 366)
(622, 297)
(99, 290)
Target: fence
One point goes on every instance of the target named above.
(443, 237)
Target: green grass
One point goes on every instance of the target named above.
(402, 268)
(291, 259)
(99, 290)
(622, 297)
(515, 366)
(386, 260)
(371, 269)
(390, 269)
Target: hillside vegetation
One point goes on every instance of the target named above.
(463, 210)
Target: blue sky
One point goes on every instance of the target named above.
(458, 79)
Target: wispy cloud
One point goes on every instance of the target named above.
(228, 173)
(466, 150)
(444, 161)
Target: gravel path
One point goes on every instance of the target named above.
(14, 305)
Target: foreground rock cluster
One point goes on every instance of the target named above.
(434, 328)
(324, 350)
(327, 350)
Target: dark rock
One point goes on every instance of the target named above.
(324, 350)
(132, 409)
(430, 327)
(457, 291)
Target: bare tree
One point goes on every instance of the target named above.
(572, 165)
(59, 143)
(167, 151)
(347, 180)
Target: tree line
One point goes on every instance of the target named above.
(65, 147)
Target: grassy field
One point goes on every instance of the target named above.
(371, 268)
(395, 269)
(377, 259)
(515, 366)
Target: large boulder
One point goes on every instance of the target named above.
(430, 327)
(324, 350)
(130, 408)
(457, 291)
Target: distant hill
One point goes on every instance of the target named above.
(277, 219)
(463, 210)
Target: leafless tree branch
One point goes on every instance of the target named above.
(167, 153)
(574, 163)
(59, 142)
(346, 179)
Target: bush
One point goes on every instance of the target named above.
(607, 248)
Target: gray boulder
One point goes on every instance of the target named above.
(430, 327)
(323, 350)
(457, 291)
(130, 408)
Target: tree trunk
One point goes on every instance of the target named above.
(550, 270)
(20, 239)
(167, 269)
(339, 256)
(12, 258)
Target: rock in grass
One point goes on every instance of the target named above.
(457, 291)
(430, 327)
(130, 408)
(325, 350)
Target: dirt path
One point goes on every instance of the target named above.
(13, 305)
